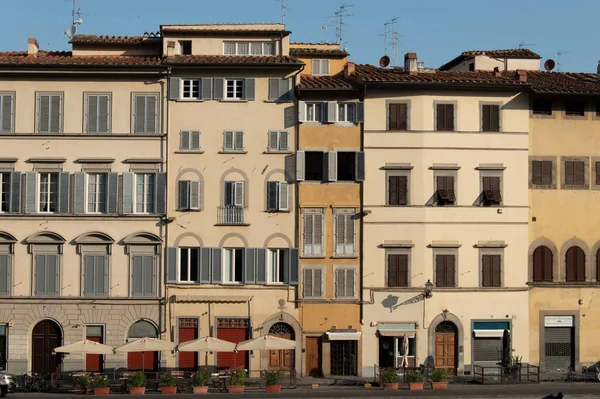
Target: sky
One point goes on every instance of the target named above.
(437, 30)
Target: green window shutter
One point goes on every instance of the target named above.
(195, 195)
(64, 179)
(219, 86)
(137, 275)
(160, 198)
(204, 260)
(55, 113)
(174, 85)
(128, 192)
(261, 265)
(43, 114)
(216, 261)
(79, 193)
(112, 192)
(51, 274)
(89, 275)
(15, 192)
(139, 124)
(5, 280)
(249, 84)
(206, 88)
(249, 266)
(6, 113)
(92, 114)
(171, 262)
(31, 179)
(184, 195)
(293, 266)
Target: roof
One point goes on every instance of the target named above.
(313, 44)
(66, 58)
(104, 39)
(231, 60)
(563, 82)
(325, 82)
(298, 52)
(245, 31)
(506, 53)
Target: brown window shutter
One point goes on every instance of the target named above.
(486, 118)
(393, 183)
(538, 264)
(547, 264)
(449, 114)
(575, 264)
(403, 270)
(402, 190)
(441, 119)
(450, 270)
(440, 271)
(495, 118)
(486, 270)
(496, 271)
(547, 172)
(392, 274)
(397, 117)
(392, 116)
(402, 123)
(597, 173)
(569, 173)
(598, 265)
(318, 283)
(580, 262)
(579, 173)
(450, 188)
(488, 192)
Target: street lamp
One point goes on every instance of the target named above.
(428, 293)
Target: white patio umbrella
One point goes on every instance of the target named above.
(146, 345)
(266, 342)
(86, 347)
(404, 351)
(206, 344)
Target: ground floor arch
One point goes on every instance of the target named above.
(46, 336)
(142, 360)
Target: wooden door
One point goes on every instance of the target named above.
(445, 351)
(93, 362)
(46, 337)
(148, 361)
(281, 358)
(313, 357)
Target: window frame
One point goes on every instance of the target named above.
(313, 268)
(40, 94)
(108, 113)
(553, 260)
(321, 167)
(346, 268)
(195, 85)
(586, 173)
(542, 113)
(493, 174)
(182, 44)
(55, 250)
(99, 252)
(570, 113)
(312, 212)
(234, 184)
(314, 104)
(532, 184)
(190, 147)
(13, 96)
(278, 190)
(98, 194)
(48, 194)
(320, 62)
(146, 193)
(189, 265)
(483, 104)
(397, 173)
(346, 105)
(595, 164)
(5, 191)
(234, 141)
(388, 104)
(398, 251)
(238, 83)
(264, 46)
(586, 260)
(445, 173)
(157, 118)
(493, 252)
(155, 260)
(270, 268)
(279, 134)
(443, 252)
(352, 214)
(233, 268)
(455, 113)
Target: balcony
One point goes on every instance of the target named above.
(230, 215)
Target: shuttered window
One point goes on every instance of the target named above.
(574, 173)
(48, 192)
(397, 116)
(576, 108)
(491, 190)
(189, 140)
(145, 192)
(6, 113)
(312, 234)
(46, 274)
(5, 192)
(5, 273)
(445, 269)
(191, 88)
(49, 113)
(445, 190)
(491, 270)
(278, 141)
(490, 118)
(95, 268)
(97, 192)
(189, 195)
(397, 190)
(277, 196)
(542, 107)
(345, 281)
(233, 140)
(487, 349)
(542, 264)
(143, 275)
(541, 173)
(279, 89)
(234, 193)
(575, 265)
(145, 113)
(444, 117)
(344, 234)
(312, 283)
(597, 170)
(320, 67)
(98, 113)
(397, 270)
(189, 262)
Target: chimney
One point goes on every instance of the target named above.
(32, 47)
(170, 49)
(410, 63)
(521, 75)
(349, 69)
(497, 72)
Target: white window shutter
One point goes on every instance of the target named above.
(332, 166)
(238, 141)
(300, 166)
(283, 196)
(228, 140)
(194, 195)
(331, 111)
(307, 231)
(318, 234)
(301, 111)
(239, 193)
(325, 67)
(316, 67)
(273, 141)
(339, 232)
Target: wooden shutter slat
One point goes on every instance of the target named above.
(486, 269)
(393, 182)
(440, 271)
(392, 273)
(546, 172)
(569, 172)
(449, 114)
(440, 119)
(307, 283)
(580, 262)
(579, 173)
(403, 270)
(536, 172)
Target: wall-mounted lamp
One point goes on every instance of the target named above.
(428, 292)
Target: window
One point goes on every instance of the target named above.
(314, 112)
(312, 232)
(278, 265)
(234, 265)
(189, 195)
(541, 173)
(249, 48)
(97, 192)
(98, 113)
(3, 347)
(279, 89)
(95, 272)
(445, 269)
(188, 264)
(398, 116)
(277, 196)
(48, 199)
(345, 283)
(143, 275)
(574, 173)
(191, 88)
(411, 353)
(145, 113)
(542, 264)
(491, 190)
(346, 166)
(144, 192)
(5, 192)
(189, 140)
(46, 274)
(542, 107)
(575, 265)
(445, 190)
(491, 269)
(314, 165)
(575, 108)
(234, 193)
(278, 141)
(490, 115)
(320, 67)
(6, 113)
(234, 89)
(185, 47)
(49, 112)
(397, 270)
(5, 272)
(345, 227)
(346, 112)
(444, 117)
(397, 190)
(472, 67)
(233, 140)
(312, 283)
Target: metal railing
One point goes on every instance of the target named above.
(517, 374)
(229, 214)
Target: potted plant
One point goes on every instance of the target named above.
(236, 380)
(273, 381)
(389, 378)
(137, 383)
(170, 383)
(438, 379)
(100, 384)
(414, 379)
(200, 382)
(82, 382)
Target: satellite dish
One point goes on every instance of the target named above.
(549, 65)
(78, 21)
(384, 61)
(71, 31)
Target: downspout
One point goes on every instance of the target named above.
(362, 212)
(166, 218)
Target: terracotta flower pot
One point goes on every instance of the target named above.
(415, 386)
(273, 388)
(102, 391)
(389, 386)
(439, 386)
(235, 389)
(168, 390)
(199, 390)
(83, 390)
(137, 390)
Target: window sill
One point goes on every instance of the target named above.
(312, 257)
(542, 187)
(233, 100)
(345, 124)
(278, 152)
(188, 210)
(190, 100)
(574, 187)
(232, 152)
(344, 257)
(278, 101)
(190, 152)
(232, 224)
(278, 211)
(397, 206)
(313, 123)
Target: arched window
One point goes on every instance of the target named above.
(575, 264)
(142, 329)
(542, 264)
(598, 265)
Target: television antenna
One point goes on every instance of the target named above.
(525, 45)
(324, 33)
(283, 8)
(389, 29)
(558, 58)
(76, 20)
(339, 22)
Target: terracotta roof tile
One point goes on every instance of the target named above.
(325, 82)
(190, 29)
(65, 58)
(229, 60)
(78, 39)
(298, 52)
(507, 53)
(563, 82)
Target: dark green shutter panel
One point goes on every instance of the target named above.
(249, 266)
(112, 192)
(148, 273)
(360, 166)
(261, 265)
(216, 260)
(88, 275)
(79, 193)
(294, 261)
(205, 265)
(174, 85)
(171, 263)
(272, 192)
(249, 89)
(5, 281)
(140, 114)
(100, 277)
(52, 274)
(30, 191)
(63, 192)
(6, 115)
(206, 88)
(92, 114)
(15, 192)
(136, 275)
(274, 89)
(161, 193)
(218, 89)
(184, 195)
(55, 114)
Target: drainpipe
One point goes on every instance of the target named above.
(166, 219)
(362, 213)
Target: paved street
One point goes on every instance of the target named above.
(570, 390)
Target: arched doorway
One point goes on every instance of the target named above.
(46, 337)
(281, 359)
(446, 350)
(142, 360)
